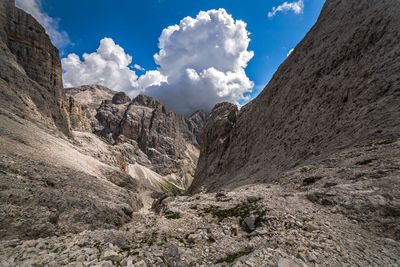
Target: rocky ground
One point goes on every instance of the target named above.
(251, 226)
(293, 224)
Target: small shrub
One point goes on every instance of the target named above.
(230, 258)
(170, 187)
(172, 215)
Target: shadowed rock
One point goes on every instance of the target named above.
(120, 98)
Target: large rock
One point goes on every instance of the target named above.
(339, 88)
(120, 98)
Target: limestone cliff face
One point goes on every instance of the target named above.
(32, 47)
(50, 184)
(29, 54)
(196, 122)
(145, 131)
(339, 88)
(214, 139)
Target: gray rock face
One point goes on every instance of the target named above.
(89, 98)
(144, 130)
(196, 122)
(78, 116)
(214, 140)
(30, 69)
(161, 134)
(49, 185)
(339, 88)
(30, 44)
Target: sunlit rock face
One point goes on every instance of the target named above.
(338, 88)
(145, 131)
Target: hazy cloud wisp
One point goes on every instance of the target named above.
(296, 7)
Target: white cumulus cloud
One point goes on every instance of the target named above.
(296, 7)
(201, 62)
(108, 66)
(34, 7)
(291, 51)
(204, 59)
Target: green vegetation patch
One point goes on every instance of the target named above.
(172, 215)
(170, 187)
(150, 239)
(240, 211)
(230, 258)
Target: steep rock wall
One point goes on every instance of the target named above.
(340, 87)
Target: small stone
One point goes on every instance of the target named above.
(284, 262)
(141, 263)
(193, 238)
(105, 264)
(312, 257)
(29, 243)
(80, 258)
(111, 255)
(249, 223)
(253, 199)
(311, 227)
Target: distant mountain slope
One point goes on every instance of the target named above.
(159, 145)
(339, 88)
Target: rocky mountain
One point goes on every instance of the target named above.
(51, 181)
(326, 127)
(307, 174)
(158, 145)
(338, 89)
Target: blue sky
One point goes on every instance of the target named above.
(137, 25)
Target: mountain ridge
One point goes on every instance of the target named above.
(144, 131)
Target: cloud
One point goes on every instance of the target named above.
(138, 67)
(204, 59)
(34, 7)
(108, 66)
(201, 62)
(296, 7)
(291, 50)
